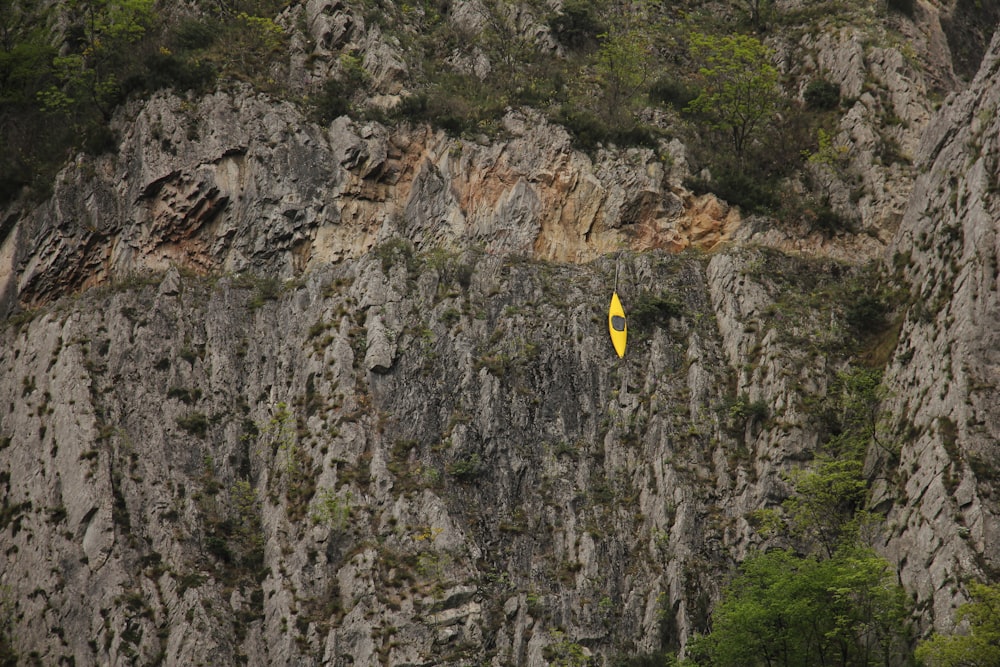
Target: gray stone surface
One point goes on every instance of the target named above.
(282, 393)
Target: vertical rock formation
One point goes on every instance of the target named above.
(284, 393)
(944, 373)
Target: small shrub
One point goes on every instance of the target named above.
(827, 221)
(821, 95)
(466, 469)
(217, 546)
(741, 411)
(867, 314)
(167, 70)
(195, 423)
(392, 251)
(333, 101)
(331, 509)
(587, 129)
(754, 193)
(590, 130)
(266, 289)
(577, 26)
(673, 92)
(191, 34)
(655, 310)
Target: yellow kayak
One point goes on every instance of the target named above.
(616, 324)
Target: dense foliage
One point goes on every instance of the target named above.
(980, 646)
(610, 72)
(818, 595)
(832, 601)
(738, 85)
(784, 609)
(65, 67)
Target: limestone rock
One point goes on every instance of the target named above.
(284, 393)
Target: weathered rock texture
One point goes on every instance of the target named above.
(278, 393)
(945, 371)
(237, 182)
(410, 458)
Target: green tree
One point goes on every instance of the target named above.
(826, 506)
(784, 609)
(622, 71)
(25, 69)
(739, 85)
(25, 54)
(90, 71)
(981, 646)
(862, 395)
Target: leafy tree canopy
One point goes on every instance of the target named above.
(100, 30)
(981, 646)
(785, 609)
(739, 85)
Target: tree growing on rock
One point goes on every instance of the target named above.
(783, 609)
(739, 86)
(981, 646)
(89, 71)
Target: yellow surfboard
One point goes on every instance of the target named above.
(616, 324)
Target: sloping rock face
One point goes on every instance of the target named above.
(410, 458)
(236, 182)
(945, 372)
(287, 394)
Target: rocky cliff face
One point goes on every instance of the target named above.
(944, 372)
(414, 458)
(283, 393)
(235, 182)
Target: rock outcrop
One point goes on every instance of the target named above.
(288, 393)
(944, 374)
(238, 182)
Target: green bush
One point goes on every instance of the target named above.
(163, 69)
(978, 645)
(577, 26)
(590, 131)
(195, 423)
(672, 91)
(740, 411)
(753, 192)
(467, 468)
(821, 95)
(868, 314)
(195, 34)
(824, 219)
(786, 609)
(655, 309)
(455, 103)
(333, 101)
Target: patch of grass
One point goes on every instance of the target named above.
(265, 289)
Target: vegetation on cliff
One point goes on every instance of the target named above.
(610, 72)
(415, 449)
